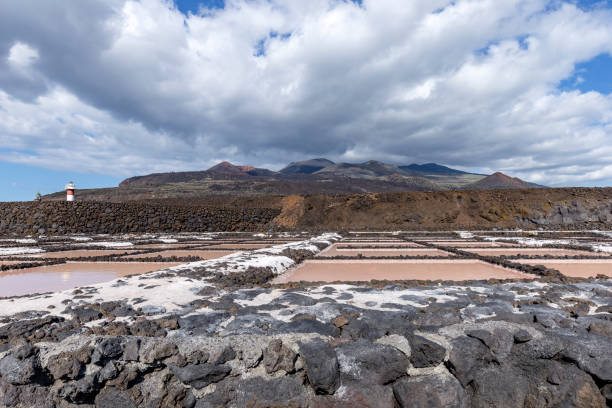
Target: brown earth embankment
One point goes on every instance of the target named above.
(569, 208)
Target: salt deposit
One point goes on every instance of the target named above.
(19, 251)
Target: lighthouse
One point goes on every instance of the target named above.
(70, 191)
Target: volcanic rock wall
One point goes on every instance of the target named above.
(98, 217)
(576, 213)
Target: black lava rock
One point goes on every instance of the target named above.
(114, 398)
(369, 362)
(425, 353)
(321, 366)
(200, 375)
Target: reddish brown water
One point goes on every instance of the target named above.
(71, 275)
(403, 244)
(349, 270)
(169, 246)
(578, 268)
(184, 253)
(471, 244)
(334, 251)
(371, 240)
(272, 241)
(79, 253)
(240, 246)
(531, 251)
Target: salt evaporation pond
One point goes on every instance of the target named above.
(532, 251)
(59, 277)
(335, 251)
(427, 269)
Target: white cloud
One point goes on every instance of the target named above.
(134, 87)
(22, 55)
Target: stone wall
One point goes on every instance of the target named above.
(98, 217)
(575, 213)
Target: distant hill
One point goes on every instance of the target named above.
(229, 168)
(163, 178)
(499, 181)
(314, 176)
(431, 168)
(371, 169)
(223, 169)
(306, 166)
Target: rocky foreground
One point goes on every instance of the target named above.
(217, 333)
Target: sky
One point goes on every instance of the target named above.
(98, 91)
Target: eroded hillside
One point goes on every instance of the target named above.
(529, 208)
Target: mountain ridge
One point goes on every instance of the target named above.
(499, 180)
(306, 166)
(369, 169)
(312, 176)
(432, 168)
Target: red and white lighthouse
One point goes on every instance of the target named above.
(70, 191)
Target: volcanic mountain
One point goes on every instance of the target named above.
(369, 170)
(499, 181)
(431, 168)
(306, 166)
(314, 176)
(228, 168)
(222, 170)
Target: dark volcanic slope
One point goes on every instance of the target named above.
(307, 166)
(431, 168)
(163, 178)
(223, 170)
(370, 169)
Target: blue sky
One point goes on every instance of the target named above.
(592, 75)
(522, 87)
(193, 6)
(21, 182)
(589, 4)
(595, 74)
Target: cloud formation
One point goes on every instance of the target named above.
(128, 87)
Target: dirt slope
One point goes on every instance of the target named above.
(498, 181)
(528, 208)
(291, 212)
